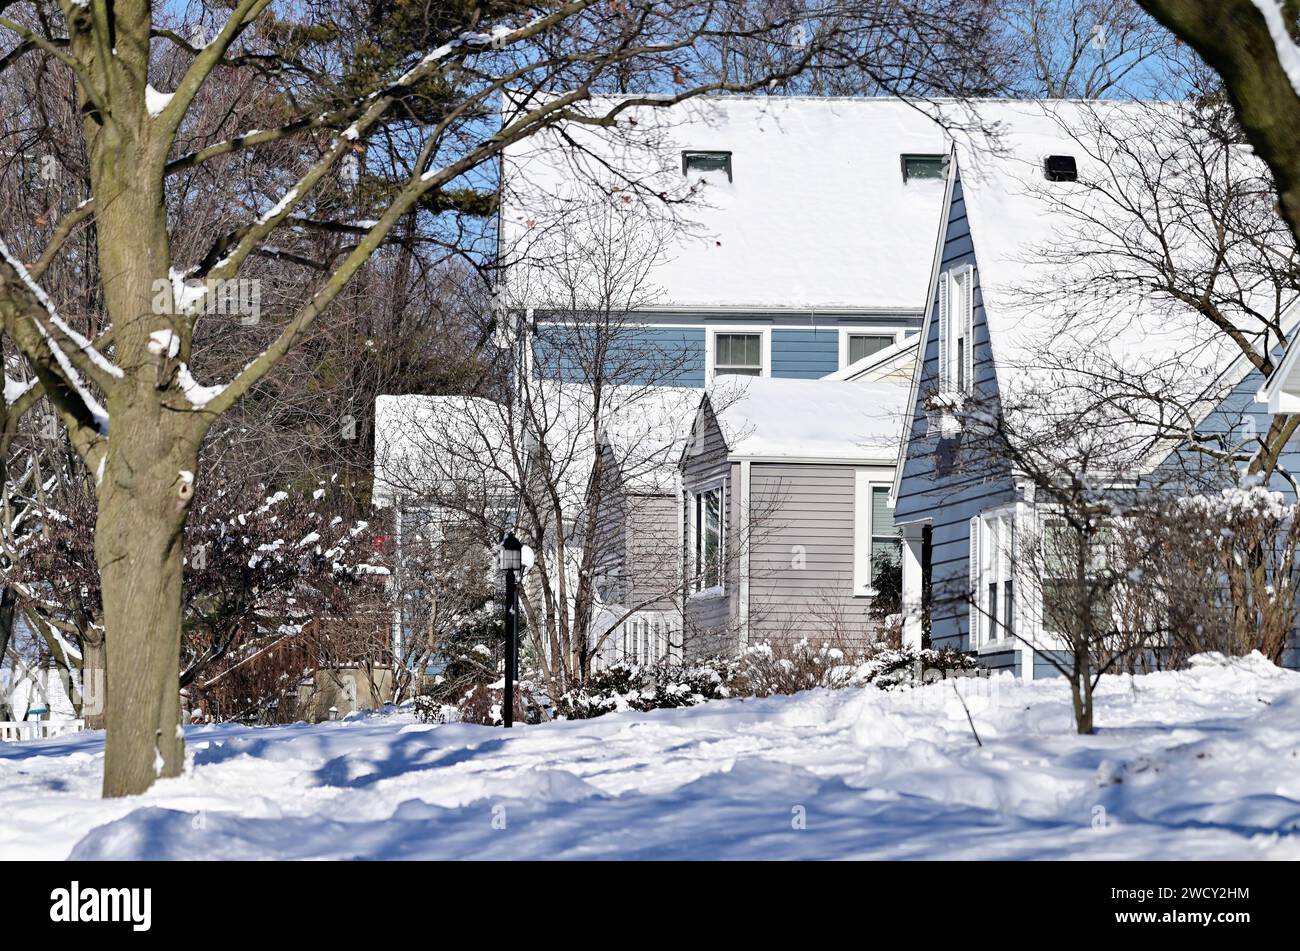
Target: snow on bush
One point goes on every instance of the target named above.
(653, 687)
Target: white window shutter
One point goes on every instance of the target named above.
(943, 332)
(968, 320)
(974, 582)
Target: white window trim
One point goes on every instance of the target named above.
(710, 349)
(693, 569)
(637, 632)
(845, 332)
(948, 370)
(980, 639)
(864, 480)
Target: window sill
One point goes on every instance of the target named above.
(708, 594)
(998, 647)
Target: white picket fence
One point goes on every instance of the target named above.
(15, 731)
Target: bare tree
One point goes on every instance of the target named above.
(1251, 45)
(588, 429)
(1089, 49)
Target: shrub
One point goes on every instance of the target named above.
(653, 687)
(786, 667)
(485, 704)
(908, 667)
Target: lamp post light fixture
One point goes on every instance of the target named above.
(512, 563)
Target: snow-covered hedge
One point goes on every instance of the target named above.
(653, 687)
(762, 670)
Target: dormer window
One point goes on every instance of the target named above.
(1060, 168)
(704, 162)
(924, 166)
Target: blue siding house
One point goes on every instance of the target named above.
(986, 339)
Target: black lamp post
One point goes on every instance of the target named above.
(512, 563)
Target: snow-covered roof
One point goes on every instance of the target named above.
(644, 428)
(775, 418)
(1281, 391)
(444, 443)
(816, 213)
(646, 434)
(1016, 215)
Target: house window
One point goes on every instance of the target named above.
(738, 354)
(886, 543)
(645, 638)
(956, 330)
(993, 567)
(706, 162)
(864, 345)
(706, 532)
(877, 541)
(924, 166)
(1068, 596)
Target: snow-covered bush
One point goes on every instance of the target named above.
(785, 667)
(909, 667)
(651, 687)
(485, 704)
(470, 689)
(1227, 584)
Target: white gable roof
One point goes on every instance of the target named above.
(777, 418)
(817, 214)
(457, 444)
(1016, 215)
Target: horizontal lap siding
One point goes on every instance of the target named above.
(801, 555)
(610, 545)
(652, 552)
(805, 354)
(950, 498)
(659, 356)
(804, 346)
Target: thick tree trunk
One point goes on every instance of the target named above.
(143, 502)
(139, 555)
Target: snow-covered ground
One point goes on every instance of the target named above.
(1204, 763)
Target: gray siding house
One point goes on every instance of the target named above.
(746, 286)
(785, 487)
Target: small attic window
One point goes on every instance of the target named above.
(924, 166)
(706, 162)
(1060, 168)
